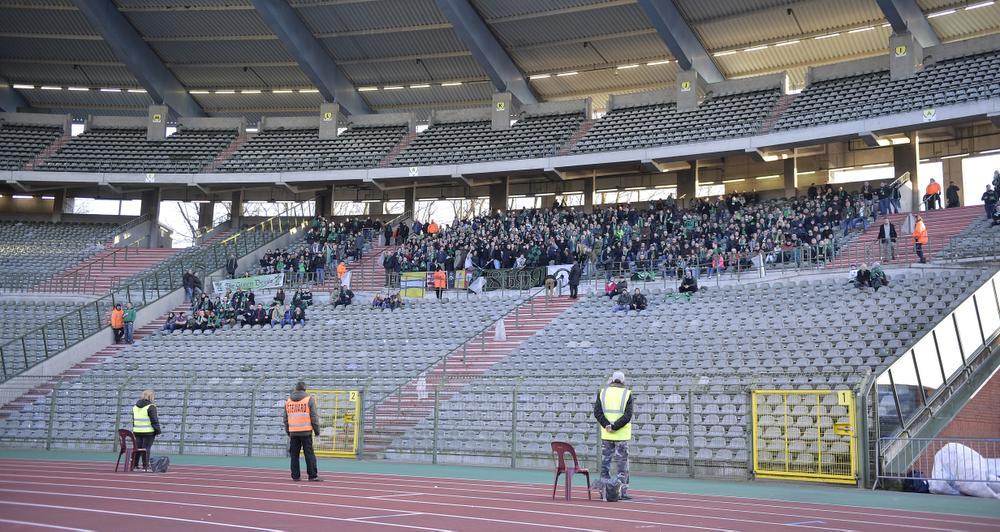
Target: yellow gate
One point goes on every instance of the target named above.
(339, 414)
(804, 435)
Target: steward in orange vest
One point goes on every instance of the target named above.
(301, 422)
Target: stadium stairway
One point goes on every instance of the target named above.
(942, 225)
(96, 275)
(412, 402)
(367, 274)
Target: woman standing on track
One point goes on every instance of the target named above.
(145, 425)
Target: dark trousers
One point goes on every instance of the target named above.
(302, 442)
(143, 441)
(573, 289)
(438, 292)
(119, 334)
(919, 249)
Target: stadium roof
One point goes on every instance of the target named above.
(406, 55)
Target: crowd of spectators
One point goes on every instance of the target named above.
(328, 245)
(390, 303)
(240, 308)
(709, 235)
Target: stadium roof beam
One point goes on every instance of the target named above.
(905, 16)
(486, 50)
(141, 60)
(312, 57)
(11, 101)
(680, 40)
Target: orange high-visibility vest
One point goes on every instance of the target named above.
(920, 233)
(298, 415)
(440, 279)
(341, 270)
(933, 188)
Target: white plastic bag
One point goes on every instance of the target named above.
(959, 470)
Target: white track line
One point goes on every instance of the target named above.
(196, 505)
(129, 514)
(705, 505)
(43, 525)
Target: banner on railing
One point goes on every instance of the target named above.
(257, 282)
(412, 284)
(561, 273)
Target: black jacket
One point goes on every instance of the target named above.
(153, 418)
(574, 275)
(622, 421)
(231, 265)
(892, 232)
(297, 395)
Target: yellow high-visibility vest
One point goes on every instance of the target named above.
(140, 420)
(613, 401)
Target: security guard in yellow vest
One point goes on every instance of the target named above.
(301, 422)
(613, 411)
(145, 426)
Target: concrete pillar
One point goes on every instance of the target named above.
(905, 56)
(324, 202)
(589, 185)
(409, 200)
(952, 172)
(906, 158)
(690, 89)
(236, 210)
(789, 173)
(498, 195)
(156, 123)
(502, 109)
(206, 214)
(329, 119)
(687, 184)
(59, 205)
(150, 204)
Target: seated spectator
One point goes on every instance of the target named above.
(307, 298)
(198, 322)
(624, 302)
(213, 321)
(863, 277)
(688, 284)
(170, 323)
(344, 297)
(298, 317)
(611, 288)
(393, 302)
(878, 277)
(639, 301)
(276, 314)
(180, 322)
(378, 301)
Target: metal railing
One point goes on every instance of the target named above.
(49, 339)
(953, 466)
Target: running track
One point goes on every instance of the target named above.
(69, 495)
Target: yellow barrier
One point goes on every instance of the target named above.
(339, 416)
(805, 435)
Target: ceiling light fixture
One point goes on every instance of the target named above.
(77, 89)
(420, 86)
(765, 177)
(564, 74)
(626, 67)
(859, 30)
(19, 86)
(451, 84)
(786, 43)
(225, 92)
(727, 181)
(198, 92)
(655, 63)
(827, 36)
(367, 89)
(111, 90)
(282, 91)
(755, 48)
(137, 91)
(308, 91)
(50, 88)
(979, 5)
(941, 13)
(392, 88)
(250, 91)
(539, 76)
(727, 52)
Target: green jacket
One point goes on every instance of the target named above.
(129, 315)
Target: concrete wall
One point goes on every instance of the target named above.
(199, 122)
(289, 122)
(759, 83)
(639, 99)
(387, 119)
(444, 116)
(557, 108)
(38, 119)
(129, 122)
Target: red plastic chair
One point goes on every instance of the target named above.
(126, 439)
(560, 450)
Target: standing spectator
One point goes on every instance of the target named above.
(117, 323)
(301, 421)
(895, 198)
(128, 317)
(574, 279)
(341, 271)
(887, 239)
(231, 265)
(187, 281)
(440, 281)
(319, 266)
(613, 411)
(952, 195)
(932, 195)
(920, 238)
(145, 425)
(884, 199)
(990, 201)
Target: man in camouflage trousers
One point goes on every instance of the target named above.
(613, 411)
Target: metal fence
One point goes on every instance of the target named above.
(947, 460)
(48, 339)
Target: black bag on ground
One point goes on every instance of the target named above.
(159, 464)
(916, 482)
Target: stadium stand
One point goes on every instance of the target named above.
(678, 343)
(128, 150)
(21, 314)
(301, 149)
(47, 248)
(334, 341)
(980, 239)
(20, 144)
(467, 142)
(717, 117)
(872, 94)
